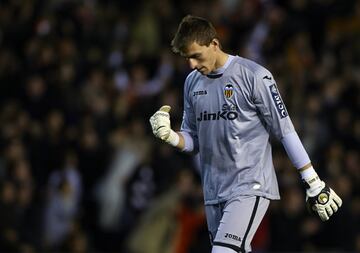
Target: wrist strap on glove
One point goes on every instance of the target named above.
(311, 181)
(173, 138)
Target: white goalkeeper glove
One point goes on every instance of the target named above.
(320, 198)
(160, 124)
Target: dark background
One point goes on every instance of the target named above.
(79, 168)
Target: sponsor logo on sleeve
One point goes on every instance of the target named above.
(278, 101)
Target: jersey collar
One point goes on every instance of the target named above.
(219, 72)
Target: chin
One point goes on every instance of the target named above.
(204, 72)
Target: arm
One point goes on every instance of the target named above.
(320, 198)
(160, 124)
(186, 139)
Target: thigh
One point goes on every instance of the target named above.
(240, 220)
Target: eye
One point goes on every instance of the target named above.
(197, 56)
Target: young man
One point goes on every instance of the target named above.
(231, 105)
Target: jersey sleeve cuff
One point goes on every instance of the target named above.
(188, 142)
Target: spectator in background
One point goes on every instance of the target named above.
(62, 207)
(131, 148)
(66, 75)
(172, 220)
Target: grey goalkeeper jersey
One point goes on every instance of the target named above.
(230, 117)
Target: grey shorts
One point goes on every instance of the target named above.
(233, 223)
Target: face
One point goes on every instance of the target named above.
(202, 58)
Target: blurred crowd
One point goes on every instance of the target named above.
(79, 168)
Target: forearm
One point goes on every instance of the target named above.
(187, 142)
(308, 173)
(181, 143)
(321, 199)
(300, 159)
(175, 139)
(307, 166)
(160, 124)
(296, 151)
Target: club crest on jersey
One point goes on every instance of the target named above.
(228, 90)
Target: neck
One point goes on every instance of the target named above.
(221, 59)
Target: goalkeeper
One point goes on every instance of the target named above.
(231, 105)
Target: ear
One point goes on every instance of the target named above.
(215, 42)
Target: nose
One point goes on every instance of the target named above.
(192, 63)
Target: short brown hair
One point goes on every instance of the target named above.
(192, 29)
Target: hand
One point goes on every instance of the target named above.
(325, 203)
(160, 124)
